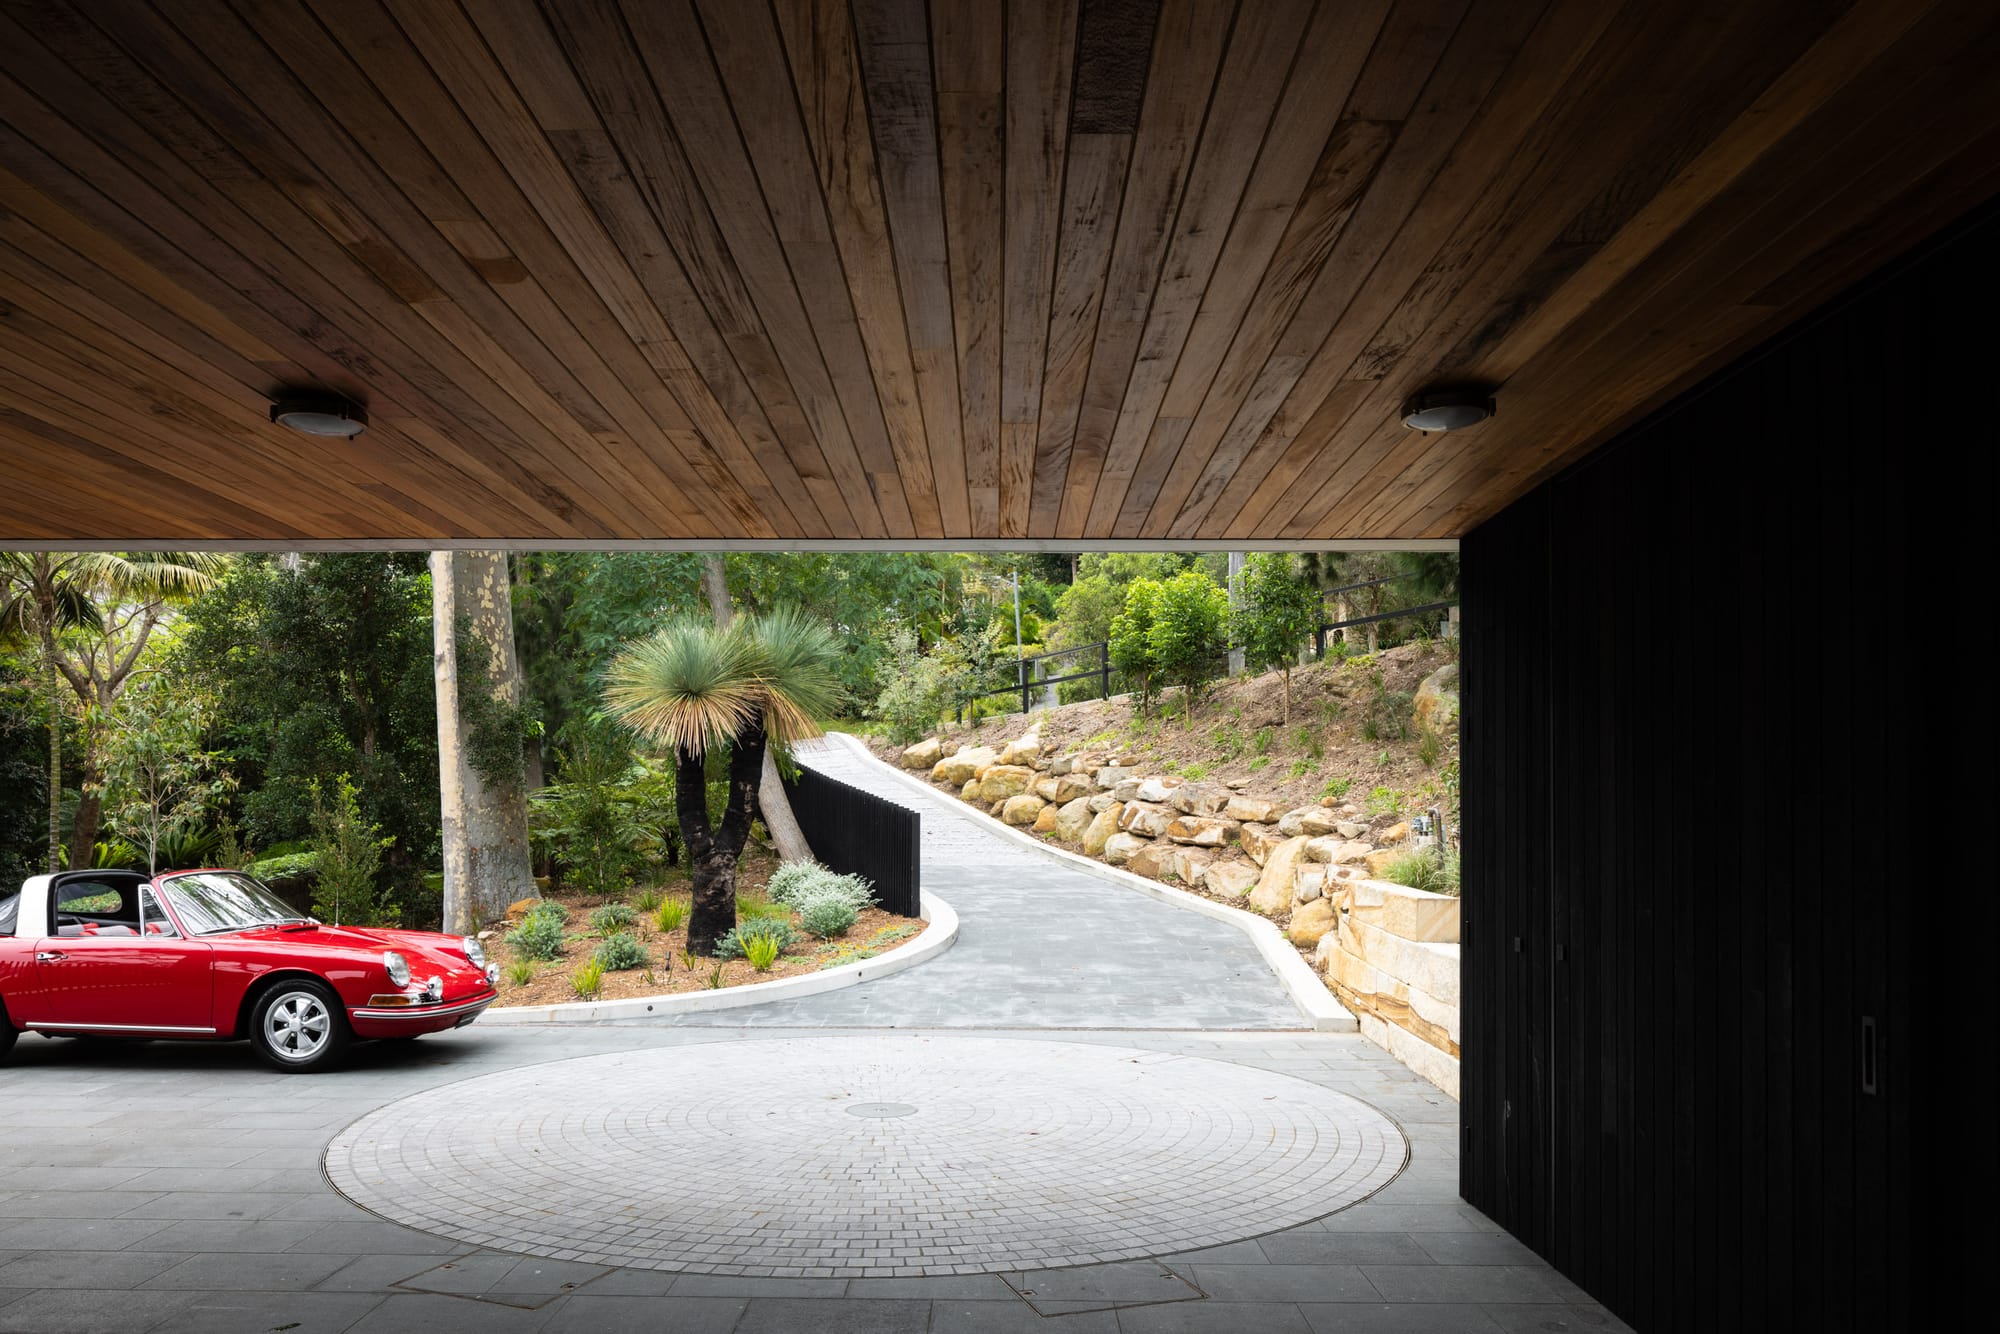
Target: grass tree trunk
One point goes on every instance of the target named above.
(485, 813)
(713, 850)
(772, 801)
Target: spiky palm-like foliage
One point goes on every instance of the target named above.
(695, 688)
(45, 595)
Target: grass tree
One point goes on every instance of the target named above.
(698, 689)
(91, 613)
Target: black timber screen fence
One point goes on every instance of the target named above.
(858, 833)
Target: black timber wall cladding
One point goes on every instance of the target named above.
(858, 833)
(1709, 962)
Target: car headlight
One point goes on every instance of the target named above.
(398, 966)
(475, 951)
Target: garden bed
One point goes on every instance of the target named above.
(665, 972)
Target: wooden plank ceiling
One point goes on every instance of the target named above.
(889, 270)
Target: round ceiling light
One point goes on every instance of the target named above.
(320, 414)
(1447, 409)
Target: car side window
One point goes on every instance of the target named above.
(94, 908)
(154, 920)
(10, 912)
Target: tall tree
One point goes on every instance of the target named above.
(49, 596)
(319, 668)
(482, 791)
(697, 688)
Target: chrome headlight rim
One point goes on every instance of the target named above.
(474, 950)
(397, 966)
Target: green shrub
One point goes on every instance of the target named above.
(1384, 801)
(762, 951)
(620, 953)
(1432, 869)
(588, 980)
(1261, 762)
(520, 972)
(292, 868)
(790, 878)
(1429, 747)
(827, 915)
(733, 945)
(612, 917)
(539, 936)
(1262, 741)
(672, 914)
(1195, 772)
(1302, 767)
(1336, 788)
(646, 900)
(550, 908)
(798, 882)
(757, 907)
(349, 848)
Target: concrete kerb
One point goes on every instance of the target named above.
(1304, 986)
(936, 937)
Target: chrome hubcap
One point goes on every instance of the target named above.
(297, 1025)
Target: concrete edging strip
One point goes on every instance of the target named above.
(935, 939)
(1303, 985)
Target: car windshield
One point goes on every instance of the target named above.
(215, 901)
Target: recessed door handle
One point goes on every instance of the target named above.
(49, 956)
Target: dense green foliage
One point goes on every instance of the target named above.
(24, 752)
(621, 952)
(322, 671)
(539, 936)
(347, 866)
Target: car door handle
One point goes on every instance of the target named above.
(49, 956)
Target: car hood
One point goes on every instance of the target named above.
(427, 951)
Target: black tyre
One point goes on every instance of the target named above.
(7, 1033)
(299, 1025)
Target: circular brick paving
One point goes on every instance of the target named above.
(743, 1158)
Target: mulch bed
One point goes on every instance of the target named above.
(667, 973)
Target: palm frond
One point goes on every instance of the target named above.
(688, 685)
(795, 655)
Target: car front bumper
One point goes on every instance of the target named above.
(378, 1022)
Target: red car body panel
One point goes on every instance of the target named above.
(181, 986)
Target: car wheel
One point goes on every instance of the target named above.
(299, 1025)
(7, 1034)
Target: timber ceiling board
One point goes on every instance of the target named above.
(796, 270)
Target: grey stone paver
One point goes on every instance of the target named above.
(747, 1158)
(365, 1258)
(1040, 944)
(199, 1142)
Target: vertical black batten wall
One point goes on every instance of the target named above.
(1729, 808)
(858, 833)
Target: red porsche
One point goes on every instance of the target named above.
(213, 955)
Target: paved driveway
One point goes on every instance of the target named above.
(166, 1187)
(1040, 944)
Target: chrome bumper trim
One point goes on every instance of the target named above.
(424, 1011)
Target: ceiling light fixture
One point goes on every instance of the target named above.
(320, 414)
(1447, 409)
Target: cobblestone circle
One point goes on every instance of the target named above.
(740, 1157)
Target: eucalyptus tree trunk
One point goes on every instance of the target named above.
(54, 683)
(485, 815)
(772, 801)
